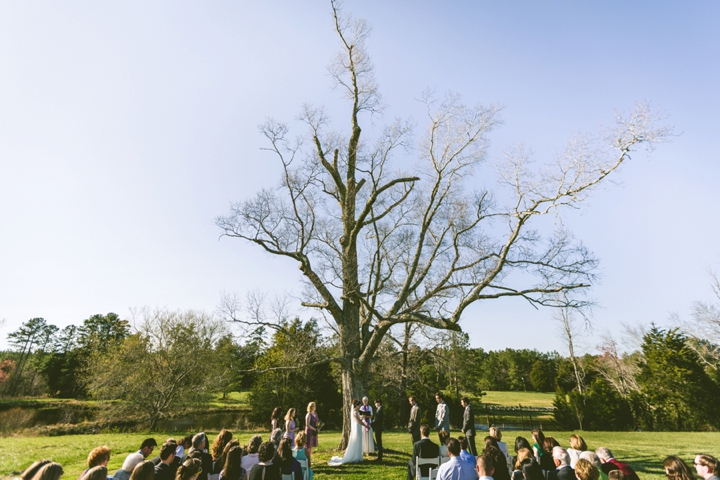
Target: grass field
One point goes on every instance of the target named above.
(645, 451)
(513, 399)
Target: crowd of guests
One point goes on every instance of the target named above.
(194, 458)
(543, 459)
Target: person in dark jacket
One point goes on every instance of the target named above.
(425, 448)
(288, 463)
(266, 469)
(563, 470)
(378, 425)
(199, 450)
(167, 467)
(468, 425)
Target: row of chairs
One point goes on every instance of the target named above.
(434, 463)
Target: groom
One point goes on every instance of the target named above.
(377, 426)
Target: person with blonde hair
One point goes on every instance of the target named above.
(290, 427)
(586, 470)
(30, 472)
(189, 470)
(591, 457)
(300, 452)
(522, 454)
(311, 430)
(577, 446)
(218, 445)
(49, 471)
(98, 472)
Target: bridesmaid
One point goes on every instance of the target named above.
(311, 431)
(290, 427)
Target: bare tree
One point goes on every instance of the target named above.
(379, 247)
(570, 330)
(703, 329)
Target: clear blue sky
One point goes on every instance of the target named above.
(126, 127)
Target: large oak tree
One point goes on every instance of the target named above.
(379, 247)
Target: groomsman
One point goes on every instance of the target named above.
(468, 425)
(414, 423)
(442, 415)
(377, 426)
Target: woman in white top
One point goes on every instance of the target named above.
(497, 435)
(577, 446)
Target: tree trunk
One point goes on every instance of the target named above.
(353, 388)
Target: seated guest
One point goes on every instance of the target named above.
(465, 455)
(522, 454)
(128, 466)
(288, 463)
(300, 453)
(531, 470)
(218, 445)
(189, 470)
(96, 473)
(593, 458)
(498, 458)
(497, 435)
(424, 448)
(144, 470)
(147, 447)
(617, 475)
(220, 462)
(49, 471)
(183, 446)
(444, 437)
(265, 468)
(98, 457)
(484, 467)
(166, 469)
(563, 470)
(577, 446)
(609, 463)
(199, 445)
(252, 458)
(677, 469)
(456, 469)
(232, 470)
(585, 470)
(30, 472)
(706, 466)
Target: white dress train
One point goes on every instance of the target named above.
(354, 451)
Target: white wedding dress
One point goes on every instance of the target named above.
(354, 451)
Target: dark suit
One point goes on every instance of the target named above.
(272, 472)
(468, 428)
(164, 472)
(562, 473)
(377, 426)
(425, 448)
(414, 423)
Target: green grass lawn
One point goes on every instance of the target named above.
(645, 451)
(513, 399)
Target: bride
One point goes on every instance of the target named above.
(354, 451)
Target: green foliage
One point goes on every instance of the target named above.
(161, 369)
(291, 377)
(678, 392)
(599, 407)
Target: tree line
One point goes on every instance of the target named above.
(170, 361)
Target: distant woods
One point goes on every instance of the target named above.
(169, 361)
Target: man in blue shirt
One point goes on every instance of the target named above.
(456, 469)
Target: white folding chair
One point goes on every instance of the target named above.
(213, 476)
(444, 460)
(288, 476)
(433, 461)
(303, 465)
